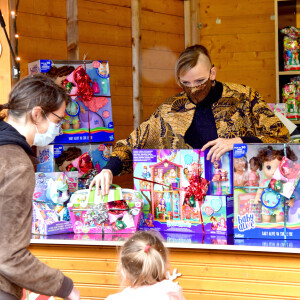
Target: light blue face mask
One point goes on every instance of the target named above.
(44, 139)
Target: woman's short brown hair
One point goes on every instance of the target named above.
(188, 59)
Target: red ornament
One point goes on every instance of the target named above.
(198, 188)
(83, 82)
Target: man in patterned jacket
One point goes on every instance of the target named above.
(206, 114)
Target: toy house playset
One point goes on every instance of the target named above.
(266, 191)
(51, 194)
(164, 177)
(89, 115)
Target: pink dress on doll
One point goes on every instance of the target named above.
(254, 178)
(241, 180)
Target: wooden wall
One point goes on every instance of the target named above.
(105, 33)
(206, 274)
(243, 45)
(5, 65)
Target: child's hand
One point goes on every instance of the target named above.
(174, 275)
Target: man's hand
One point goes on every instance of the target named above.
(219, 147)
(103, 180)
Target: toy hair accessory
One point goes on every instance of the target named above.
(147, 247)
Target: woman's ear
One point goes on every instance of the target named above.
(37, 114)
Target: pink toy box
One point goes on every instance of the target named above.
(119, 212)
(162, 176)
(263, 174)
(52, 192)
(89, 115)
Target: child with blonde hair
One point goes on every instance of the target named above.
(144, 270)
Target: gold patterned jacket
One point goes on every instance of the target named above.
(240, 112)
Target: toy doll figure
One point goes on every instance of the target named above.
(218, 178)
(214, 223)
(187, 174)
(146, 174)
(240, 171)
(159, 178)
(253, 175)
(270, 159)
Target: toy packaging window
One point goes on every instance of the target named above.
(89, 115)
(266, 191)
(162, 177)
(51, 195)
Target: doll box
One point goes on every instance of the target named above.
(46, 222)
(255, 215)
(161, 176)
(81, 158)
(52, 192)
(117, 216)
(89, 115)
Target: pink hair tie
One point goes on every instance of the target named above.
(147, 247)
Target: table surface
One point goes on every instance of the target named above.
(175, 240)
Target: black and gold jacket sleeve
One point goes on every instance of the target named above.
(240, 112)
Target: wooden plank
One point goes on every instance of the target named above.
(246, 60)
(227, 8)
(163, 41)
(136, 46)
(237, 24)
(104, 34)
(116, 56)
(168, 7)
(187, 24)
(40, 26)
(5, 61)
(101, 13)
(158, 59)
(217, 44)
(51, 8)
(125, 3)
(33, 48)
(122, 116)
(163, 23)
(159, 78)
(72, 30)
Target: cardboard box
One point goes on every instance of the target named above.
(161, 176)
(259, 210)
(89, 116)
(93, 214)
(55, 158)
(50, 213)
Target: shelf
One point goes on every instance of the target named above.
(296, 72)
(295, 122)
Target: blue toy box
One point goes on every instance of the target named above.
(89, 115)
(62, 158)
(260, 211)
(162, 176)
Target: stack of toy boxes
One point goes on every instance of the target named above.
(50, 214)
(266, 191)
(89, 115)
(161, 176)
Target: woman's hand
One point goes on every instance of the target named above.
(74, 295)
(103, 180)
(219, 147)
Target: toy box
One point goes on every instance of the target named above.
(119, 212)
(52, 192)
(260, 209)
(81, 157)
(162, 177)
(89, 115)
